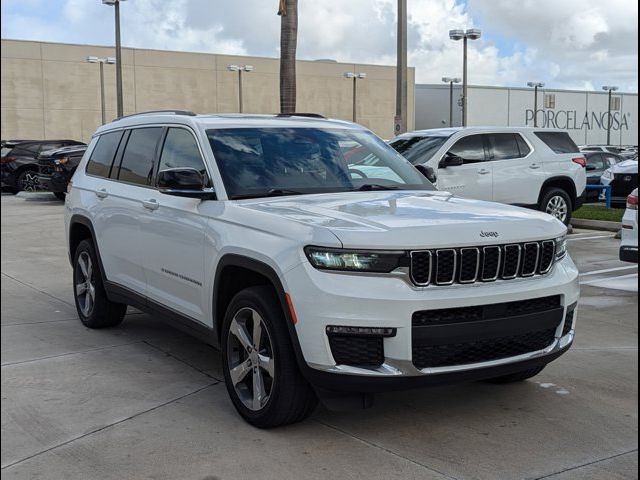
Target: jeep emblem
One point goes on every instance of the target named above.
(489, 234)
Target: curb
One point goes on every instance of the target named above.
(596, 225)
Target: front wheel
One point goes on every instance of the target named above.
(60, 195)
(260, 368)
(557, 203)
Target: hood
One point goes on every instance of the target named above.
(628, 166)
(411, 220)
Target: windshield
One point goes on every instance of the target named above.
(259, 162)
(419, 149)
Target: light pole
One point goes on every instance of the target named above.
(535, 86)
(451, 81)
(240, 69)
(101, 62)
(469, 34)
(356, 77)
(401, 120)
(609, 89)
(119, 101)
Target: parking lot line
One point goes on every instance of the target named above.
(608, 270)
(609, 279)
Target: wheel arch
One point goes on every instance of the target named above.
(563, 182)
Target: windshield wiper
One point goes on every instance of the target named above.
(274, 192)
(367, 187)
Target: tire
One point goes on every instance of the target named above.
(286, 396)
(516, 377)
(557, 202)
(27, 181)
(60, 195)
(94, 308)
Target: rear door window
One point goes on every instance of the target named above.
(504, 146)
(596, 162)
(138, 158)
(470, 149)
(559, 142)
(103, 154)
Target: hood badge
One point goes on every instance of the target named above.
(489, 234)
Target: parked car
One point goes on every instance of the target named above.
(18, 164)
(597, 164)
(629, 243)
(623, 178)
(254, 233)
(536, 168)
(56, 167)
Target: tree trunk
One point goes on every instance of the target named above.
(288, 12)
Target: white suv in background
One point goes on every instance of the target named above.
(530, 167)
(261, 235)
(629, 243)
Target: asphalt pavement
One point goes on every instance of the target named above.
(146, 401)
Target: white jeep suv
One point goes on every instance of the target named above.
(530, 167)
(315, 279)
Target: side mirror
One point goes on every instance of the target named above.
(428, 172)
(184, 182)
(451, 160)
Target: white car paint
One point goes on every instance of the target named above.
(629, 242)
(170, 253)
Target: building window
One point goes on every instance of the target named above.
(549, 100)
(615, 103)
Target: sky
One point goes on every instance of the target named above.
(576, 44)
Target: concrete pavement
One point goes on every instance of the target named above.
(146, 401)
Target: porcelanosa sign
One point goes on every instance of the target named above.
(573, 120)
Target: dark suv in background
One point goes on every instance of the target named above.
(56, 167)
(18, 164)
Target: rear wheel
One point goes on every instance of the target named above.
(516, 377)
(28, 181)
(260, 368)
(557, 203)
(94, 308)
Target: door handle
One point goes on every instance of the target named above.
(534, 166)
(484, 171)
(151, 204)
(102, 193)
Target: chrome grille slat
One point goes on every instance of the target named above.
(467, 265)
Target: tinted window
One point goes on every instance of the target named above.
(470, 149)
(523, 146)
(102, 156)
(419, 149)
(559, 142)
(504, 146)
(258, 162)
(28, 150)
(596, 162)
(137, 160)
(180, 150)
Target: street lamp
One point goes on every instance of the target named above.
(119, 101)
(240, 69)
(451, 81)
(101, 62)
(356, 77)
(535, 86)
(610, 89)
(469, 34)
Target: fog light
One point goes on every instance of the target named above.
(362, 331)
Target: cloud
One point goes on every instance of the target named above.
(570, 44)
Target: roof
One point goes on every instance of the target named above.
(442, 132)
(229, 120)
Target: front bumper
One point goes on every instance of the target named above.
(374, 301)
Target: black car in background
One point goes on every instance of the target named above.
(597, 164)
(56, 167)
(18, 164)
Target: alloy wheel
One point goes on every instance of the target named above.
(30, 182)
(250, 359)
(85, 284)
(557, 206)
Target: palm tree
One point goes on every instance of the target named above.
(288, 11)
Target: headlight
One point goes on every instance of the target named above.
(354, 260)
(561, 247)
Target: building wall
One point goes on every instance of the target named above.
(49, 91)
(583, 114)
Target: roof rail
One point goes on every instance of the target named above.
(310, 115)
(151, 112)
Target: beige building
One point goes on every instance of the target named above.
(50, 91)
